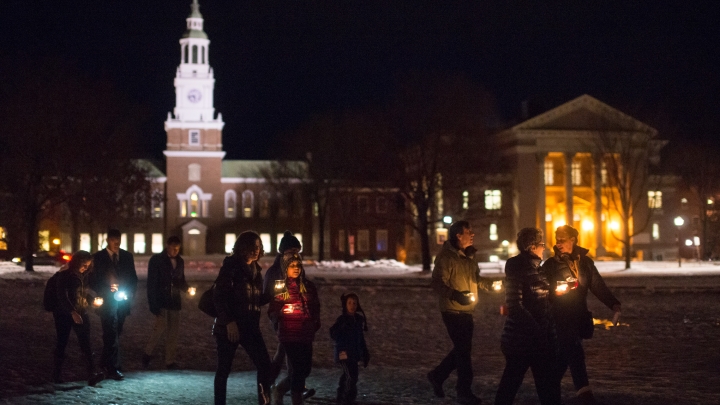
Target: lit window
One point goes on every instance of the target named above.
(265, 239)
(656, 231)
(229, 242)
(441, 235)
(576, 173)
(230, 203)
(85, 242)
(157, 243)
(194, 205)
(247, 203)
(194, 231)
(264, 205)
(194, 172)
(101, 238)
(363, 243)
(205, 209)
(683, 201)
(139, 243)
(603, 174)
(465, 199)
(279, 237)
(494, 258)
(655, 199)
(549, 173)
(493, 232)
(493, 199)
(341, 240)
(381, 240)
(123, 241)
(44, 240)
(548, 217)
(183, 209)
(156, 206)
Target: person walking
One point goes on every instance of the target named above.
(114, 279)
(350, 348)
(238, 297)
(71, 314)
(456, 279)
(296, 311)
(165, 282)
(577, 273)
(528, 339)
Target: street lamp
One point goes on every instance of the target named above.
(679, 221)
(506, 250)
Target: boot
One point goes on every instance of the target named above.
(57, 369)
(297, 398)
(278, 391)
(587, 398)
(93, 377)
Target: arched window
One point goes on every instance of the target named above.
(194, 54)
(194, 172)
(264, 204)
(186, 54)
(230, 204)
(194, 202)
(247, 203)
(194, 205)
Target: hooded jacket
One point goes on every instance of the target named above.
(569, 308)
(528, 326)
(296, 312)
(164, 283)
(238, 293)
(456, 270)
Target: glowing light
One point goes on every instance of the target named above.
(121, 296)
(614, 225)
(679, 221)
(497, 285)
(56, 241)
(472, 297)
(98, 301)
(688, 242)
(505, 243)
(192, 290)
(558, 224)
(447, 219)
(194, 231)
(16, 260)
(587, 225)
(66, 257)
(548, 217)
(696, 240)
(710, 201)
(561, 288)
(494, 258)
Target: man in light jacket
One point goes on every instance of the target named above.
(456, 279)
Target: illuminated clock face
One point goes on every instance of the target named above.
(194, 95)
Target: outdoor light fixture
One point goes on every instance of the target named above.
(192, 290)
(679, 221)
(497, 285)
(56, 241)
(447, 219)
(688, 242)
(98, 301)
(505, 243)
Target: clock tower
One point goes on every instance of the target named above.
(194, 142)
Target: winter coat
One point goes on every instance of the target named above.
(73, 291)
(456, 270)
(165, 283)
(528, 326)
(105, 273)
(238, 293)
(274, 273)
(300, 325)
(348, 335)
(568, 309)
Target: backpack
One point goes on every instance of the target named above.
(50, 297)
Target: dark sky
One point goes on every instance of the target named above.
(278, 62)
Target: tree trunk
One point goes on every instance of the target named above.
(626, 240)
(321, 236)
(31, 239)
(424, 239)
(75, 233)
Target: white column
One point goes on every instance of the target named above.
(540, 157)
(568, 188)
(597, 183)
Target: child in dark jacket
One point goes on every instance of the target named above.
(296, 311)
(350, 347)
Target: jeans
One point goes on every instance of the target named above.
(168, 321)
(252, 341)
(460, 328)
(571, 354)
(542, 363)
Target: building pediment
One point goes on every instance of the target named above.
(584, 114)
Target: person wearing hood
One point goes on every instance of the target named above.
(295, 310)
(72, 314)
(238, 298)
(576, 272)
(456, 279)
(528, 339)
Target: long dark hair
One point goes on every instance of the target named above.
(245, 244)
(78, 259)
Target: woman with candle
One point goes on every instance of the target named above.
(71, 313)
(238, 298)
(528, 339)
(296, 311)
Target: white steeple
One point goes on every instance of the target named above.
(194, 80)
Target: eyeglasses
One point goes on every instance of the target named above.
(541, 244)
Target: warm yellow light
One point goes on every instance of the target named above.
(614, 225)
(587, 225)
(558, 224)
(56, 241)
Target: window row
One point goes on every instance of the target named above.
(139, 242)
(194, 54)
(264, 238)
(361, 241)
(576, 173)
(493, 200)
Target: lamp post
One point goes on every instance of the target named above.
(506, 250)
(679, 221)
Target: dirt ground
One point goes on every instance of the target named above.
(667, 355)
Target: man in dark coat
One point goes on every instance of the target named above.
(571, 265)
(115, 280)
(456, 279)
(166, 280)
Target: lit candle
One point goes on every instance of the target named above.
(497, 285)
(471, 295)
(192, 290)
(288, 308)
(562, 287)
(279, 284)
(98, 301)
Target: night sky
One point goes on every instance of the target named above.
(278, 62)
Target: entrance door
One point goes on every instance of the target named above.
(194, 235)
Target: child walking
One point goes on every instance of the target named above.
(296, 310)
(350, 347)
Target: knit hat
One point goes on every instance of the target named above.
(288, 241)
(343, 300)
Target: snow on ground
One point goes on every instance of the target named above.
(666, 355)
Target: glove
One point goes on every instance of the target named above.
(460, 297)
